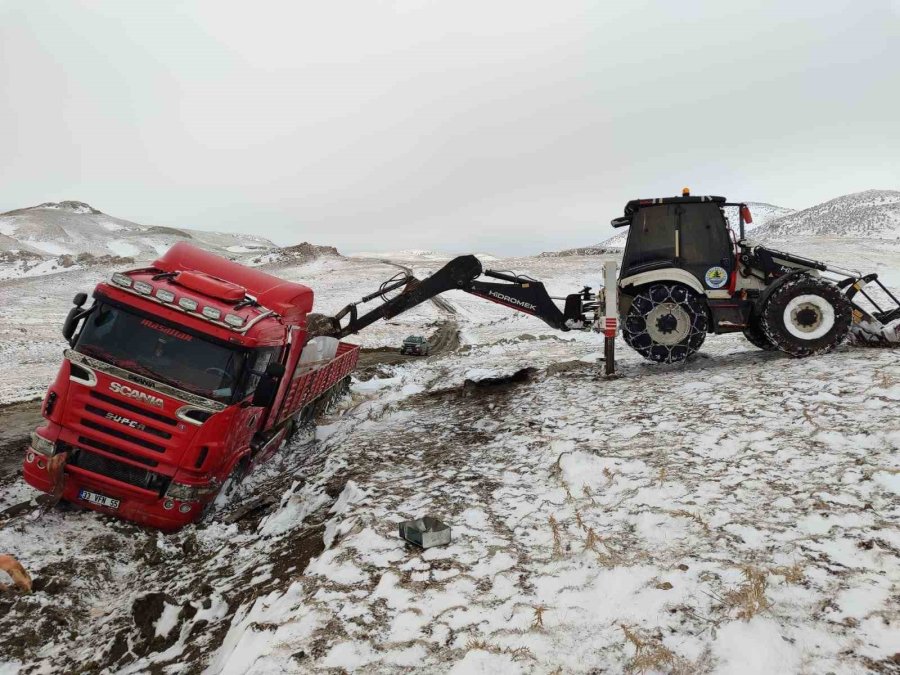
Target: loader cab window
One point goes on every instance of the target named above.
(705, 240)
(651, 239)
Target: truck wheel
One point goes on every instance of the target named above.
(666, 323)
(757, 336)
(806, 316)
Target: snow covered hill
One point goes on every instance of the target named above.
(50, 236)
(869, 214)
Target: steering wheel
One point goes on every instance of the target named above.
(223, 374)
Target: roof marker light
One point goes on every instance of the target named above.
(188, 303)
(164, 295)
(120, 279)
(211, 313)
(234, 320)
(143, 287)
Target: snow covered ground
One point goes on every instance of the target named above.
(737, 514)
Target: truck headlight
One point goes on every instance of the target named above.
(165, 295)
(41, 445)
(189, 493)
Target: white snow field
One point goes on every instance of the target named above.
(735, 514)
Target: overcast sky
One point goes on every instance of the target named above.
(505, 127)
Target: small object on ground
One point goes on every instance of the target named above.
(425, 532)
(415, 344)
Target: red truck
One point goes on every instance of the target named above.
(180, 377)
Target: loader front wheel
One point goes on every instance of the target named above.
(666, 323)
(757, 337)
(806, 316)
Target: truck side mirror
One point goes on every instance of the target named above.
(75, 315)
(264, 395)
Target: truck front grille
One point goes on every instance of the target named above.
(109, 431)
(112, 450)
(120, 471)
(133, 408)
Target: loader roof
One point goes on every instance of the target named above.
(635, 204)
(291, 300)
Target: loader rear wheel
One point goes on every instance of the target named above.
(757, 337)
(806, 316)
(666, 323)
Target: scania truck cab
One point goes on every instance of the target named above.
(179, 377)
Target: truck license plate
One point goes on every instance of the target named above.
(100, 500)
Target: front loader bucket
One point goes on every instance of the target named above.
(872, 327)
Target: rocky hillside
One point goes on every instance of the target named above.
(55, 236)
(873, 214)
(54, 229)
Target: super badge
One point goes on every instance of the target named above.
(716, 277)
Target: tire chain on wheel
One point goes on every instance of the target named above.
(772, 316)
(634, 328)
(757, 337)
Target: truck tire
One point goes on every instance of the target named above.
(666, 323)
(806, 316)
(757, 337)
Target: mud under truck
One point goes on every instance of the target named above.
(179, 379)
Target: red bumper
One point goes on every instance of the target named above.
(135, 504)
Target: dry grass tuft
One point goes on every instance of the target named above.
(691, 516)
(591, 541)
(517, 654)
(610, 476)
(557, 537)
(793, 574)
(538, 621)
(650, 654)
(579, 520)
(663, 474)
(586, 491)
(750, 598)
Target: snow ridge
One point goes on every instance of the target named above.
(869, 214)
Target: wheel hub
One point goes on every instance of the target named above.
(668, 323)
(806, 317)
(809, 316)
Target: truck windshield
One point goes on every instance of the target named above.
(161, 352)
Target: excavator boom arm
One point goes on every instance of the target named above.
(519, 293)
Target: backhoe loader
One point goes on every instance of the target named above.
(684, 274)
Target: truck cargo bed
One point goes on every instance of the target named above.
(311, 381)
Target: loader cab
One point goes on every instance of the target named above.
(689, 234)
